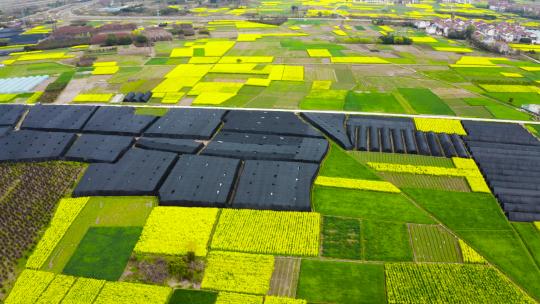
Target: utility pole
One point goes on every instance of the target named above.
(22, 14)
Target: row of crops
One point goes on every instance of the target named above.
(28, 196)
(34, 286)
(440, 283)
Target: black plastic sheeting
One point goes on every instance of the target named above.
(57, 117)
(447, 145)
(181, 146)
(28, 145)
(461, 150)
(381, 122)
(509, 158)
(386, 140)
(268, 122)
(27, 38)
(198, 180)
(275, 185)
(399, 135)
(433, 144)
(422, 143)
(498, 133)
(118, 121)
(399, 144)
(410, 142)
(98, 148)
(256, 146)
(137, 97)
(138, 172)
(10, 114)
(4, 131)
(361, 134)
(187, 123)
(333, 125)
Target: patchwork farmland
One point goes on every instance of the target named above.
(270, 152)
(195, 204)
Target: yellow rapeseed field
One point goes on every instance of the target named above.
(176, 231)
(271, 232)
(439, 125)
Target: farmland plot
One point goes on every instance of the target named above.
(30, 196)
(449, 283)
(432, 243)
(341, 282)
(285, 277)
(341, 238)
(269, 232)
(238, 272)
(103, 252)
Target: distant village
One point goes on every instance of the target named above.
(494, 36)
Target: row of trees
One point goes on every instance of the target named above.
(125, 40)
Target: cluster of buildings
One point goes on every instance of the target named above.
(496, 35)
(524, 9)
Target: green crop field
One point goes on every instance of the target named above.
(530, 236)
(477, 219)
(103, 252)
(372, 102)
(423, 101)
(181, 296)
(386, 241)
(100, 211)
(337, 282)
(433, 244)
(367, 204)
(341, 238)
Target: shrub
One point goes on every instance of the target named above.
(391, 39)
(140, 39)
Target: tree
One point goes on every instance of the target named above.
(111, 40)
(178, 268)
(141, 39)
(469, 31)
(294, 9)
(125, 40)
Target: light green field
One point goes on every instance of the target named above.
(100, 212)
